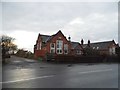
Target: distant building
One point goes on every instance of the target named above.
(76, 48)
(104, 48)
(56, 44)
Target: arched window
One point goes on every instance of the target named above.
(52, 48)
(59, 46)
(65, 48)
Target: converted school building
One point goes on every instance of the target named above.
(56, 44)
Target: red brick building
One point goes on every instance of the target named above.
(104, 48)
(56, 44)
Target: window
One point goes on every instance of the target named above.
(110, 51)
(52, 48)
(39, 46)
(97, 48)
(52, 51)
(59, 46)
(113, 50)
(57, 51)
(52, 45)
(65, 49)
(78, 52)
(93, 47)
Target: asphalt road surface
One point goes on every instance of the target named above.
(25, 73)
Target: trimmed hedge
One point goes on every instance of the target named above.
(85, 59)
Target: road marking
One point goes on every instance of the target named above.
(27, 79)
(95, 71)
(53, 75)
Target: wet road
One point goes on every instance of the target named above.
(25, 73)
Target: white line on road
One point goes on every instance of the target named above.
(27, 79)
(95, 71)
(54, 75)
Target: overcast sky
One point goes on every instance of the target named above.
(97, 21)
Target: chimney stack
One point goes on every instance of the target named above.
(69, 38)
(82, 42)
(89, 43)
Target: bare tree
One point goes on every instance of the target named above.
(7, 45)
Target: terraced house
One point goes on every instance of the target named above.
(56, 44)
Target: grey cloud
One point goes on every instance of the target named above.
(59, 0)
(0, 18)
(48, 14)
(96, 27)
(99, 19)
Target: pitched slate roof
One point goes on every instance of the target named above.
(75, 44)
(100, 45)
(45, 38)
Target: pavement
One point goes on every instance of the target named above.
(26, 73)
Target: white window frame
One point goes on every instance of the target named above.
(97, 48)
(65, 48)
(39, 46)
(113, 50)
(110, 51)
(52, 48)
(93, 47)
(59, 48)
